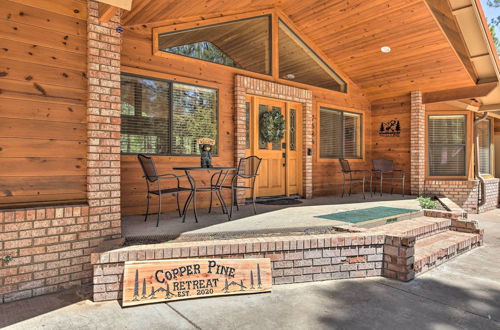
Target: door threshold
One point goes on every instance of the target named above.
(275, 198)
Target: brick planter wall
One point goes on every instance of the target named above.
(246, 85)
(51, 246)
(465, 193)
(294, 259)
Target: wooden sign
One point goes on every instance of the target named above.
(146, 282)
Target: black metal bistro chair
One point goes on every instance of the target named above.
(347, 175)
(248, 170)
(151, 175)
(383, 169)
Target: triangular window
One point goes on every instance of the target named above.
(298, 62)
(244, 43)
(203, 50)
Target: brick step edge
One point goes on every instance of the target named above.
(442, 254)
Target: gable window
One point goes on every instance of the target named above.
(165, 118)
(340, 134)
(244, 44)
(447, 136)
(484, 130)
(298, 62)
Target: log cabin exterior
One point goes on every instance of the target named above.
(73, 75)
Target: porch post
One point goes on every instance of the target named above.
(417, 144)
(103, 118)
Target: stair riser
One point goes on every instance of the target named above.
(439, 257)
(429, 230)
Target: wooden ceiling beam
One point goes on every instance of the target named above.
(459, 93)
(490, 107)
(122, 4)
(106, 12)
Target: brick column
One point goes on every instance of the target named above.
(417, 143)
(103, 115)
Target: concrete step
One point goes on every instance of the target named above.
(436, 249)
(420, 227)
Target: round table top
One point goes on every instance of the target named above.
(198, 168)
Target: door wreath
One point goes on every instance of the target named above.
(272, 126)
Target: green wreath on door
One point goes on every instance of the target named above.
(272, 126)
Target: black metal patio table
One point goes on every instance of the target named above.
(221, 175)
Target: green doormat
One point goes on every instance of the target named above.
(372, 213)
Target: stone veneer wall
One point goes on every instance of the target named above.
(294, 259)
(51, 245)
(247, 85)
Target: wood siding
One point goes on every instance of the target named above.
(43, 96)
(394, 148)
(137, 58)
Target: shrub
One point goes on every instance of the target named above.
(427, 203)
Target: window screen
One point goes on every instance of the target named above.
(145, 112)
(447, 145)
(484, 132)
(193, 117)
(340, 134)
(165, 118)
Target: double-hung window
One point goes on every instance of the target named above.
(166, 118)
(447, 143)
(340, 134)
(484, 133)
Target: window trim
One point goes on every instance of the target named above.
(362, 113)
(171, 80)
(490, 149)
(468, 144)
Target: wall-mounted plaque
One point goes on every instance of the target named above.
(390, 128)
(146, 282)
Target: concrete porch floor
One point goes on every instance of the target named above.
(462, 294)
(270, 218)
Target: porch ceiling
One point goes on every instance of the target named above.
(350, 33)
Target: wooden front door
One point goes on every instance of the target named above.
(280, 170)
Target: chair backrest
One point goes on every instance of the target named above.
(248, 167)
(382, 164)
(344, 165)
(148, 167)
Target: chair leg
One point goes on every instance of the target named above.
(147, 208)
(350, 187)
(403, 187)
(253, 201)
(188, 200)
(232, 202)
(178, 205)
(211, 198)
(364, 197)
(159, 210)
(343, 186)
(371, 185)
(194, 207)
(236, 200)
(221, 200)
(381, 185)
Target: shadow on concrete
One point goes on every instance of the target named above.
(421, 304)
(17, 311)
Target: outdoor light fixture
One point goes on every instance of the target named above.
(290, 76)
(385, 49)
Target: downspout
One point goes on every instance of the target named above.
(481, 199)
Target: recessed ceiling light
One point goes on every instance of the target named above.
(290, 76)
(385, 49)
